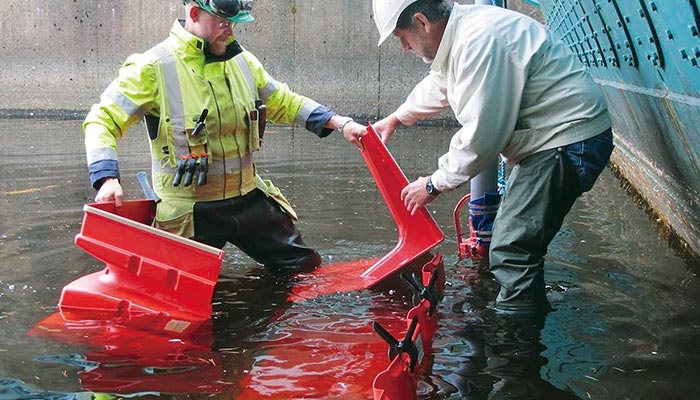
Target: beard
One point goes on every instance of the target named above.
(218, 48)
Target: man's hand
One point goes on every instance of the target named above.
(111, 190)
(415, 196)
(386, 127)
(352, 131)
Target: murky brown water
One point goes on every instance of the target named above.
(625, 324)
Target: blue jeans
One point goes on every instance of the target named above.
(589, 157)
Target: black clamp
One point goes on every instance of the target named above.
(186, 168)
(190, 168)
(405, 346)
(420, 292)
(203, 169)
(179, 170)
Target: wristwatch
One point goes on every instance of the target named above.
(430, 188)
(341, 127)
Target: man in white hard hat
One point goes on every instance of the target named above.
(518, 91)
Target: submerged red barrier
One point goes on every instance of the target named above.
(302, 356)
(341, 356)
(141, 351)
(411, 357)
(124, 360)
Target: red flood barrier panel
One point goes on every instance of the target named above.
(148, 271)
(418, 233)
(334, 356)
(412, 356)
(341, 355)
(122, 360)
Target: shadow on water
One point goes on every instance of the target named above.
(625, 323)
(494, 356)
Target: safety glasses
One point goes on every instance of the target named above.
(221, 22)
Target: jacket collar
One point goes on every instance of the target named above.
(194, 47)
(442, 56)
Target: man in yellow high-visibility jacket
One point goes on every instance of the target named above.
(203, 97)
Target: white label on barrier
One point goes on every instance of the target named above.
(176, 326)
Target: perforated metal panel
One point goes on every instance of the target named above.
(646, 56)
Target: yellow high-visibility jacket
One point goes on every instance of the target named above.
(169, 86)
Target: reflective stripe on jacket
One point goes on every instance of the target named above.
(170, 85)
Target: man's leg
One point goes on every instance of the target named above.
(257, 225)
(541, 190)
(271, 238)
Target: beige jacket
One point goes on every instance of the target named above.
(514, 88)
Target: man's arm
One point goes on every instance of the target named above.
(121, 105)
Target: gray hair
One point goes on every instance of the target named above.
(434, 10)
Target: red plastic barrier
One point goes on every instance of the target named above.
(124, 360)
(400, 380)
(149, 272)
(319, 358)
(468, 247)
(396, 382)
(414, 354)
(418, 233)
(307, 356)
(425, 311)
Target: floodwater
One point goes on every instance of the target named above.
(625, 324)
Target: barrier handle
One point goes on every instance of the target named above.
(457, 219)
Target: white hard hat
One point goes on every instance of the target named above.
(386, 15)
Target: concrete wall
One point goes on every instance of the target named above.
(59, 55)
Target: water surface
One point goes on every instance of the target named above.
(625, 324)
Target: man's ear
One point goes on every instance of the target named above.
(194, 13)
(422, 22)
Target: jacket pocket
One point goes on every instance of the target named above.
(176, 217)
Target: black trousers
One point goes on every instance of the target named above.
(257, 225)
